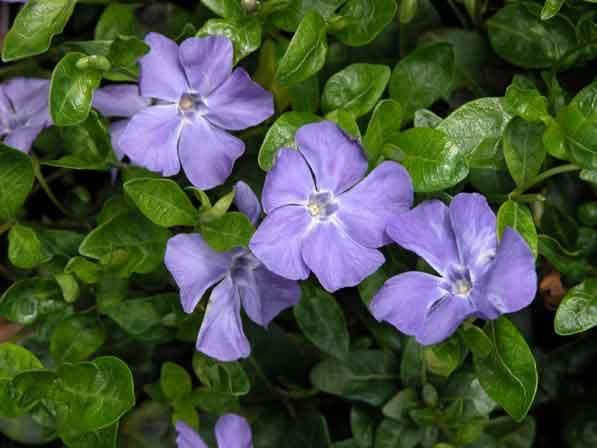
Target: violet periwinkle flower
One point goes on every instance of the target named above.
(23, 111)
(119, 101)
(323, 214)
(477, 276)
(232, 431)
(198, 98)
(238, 278)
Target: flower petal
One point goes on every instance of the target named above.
(239, 103)
(474, 225)
(427, 231)
(233, 431)
(151, 139)
(207, 62)
(405, 299)
(336, 259)
(161, 74)
(28, 97)
(366, 209)
(22, 138)
(207, 154)
(119, 100)
(278, 240)
(288, 182)
(195, 267)
(221, 335)
(116, 130)
(246, 201)
(444, 320)
(511, 283)
(337, 161)
(187, 437)
(264, 294)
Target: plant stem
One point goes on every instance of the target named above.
(45, 187)
(543, 176)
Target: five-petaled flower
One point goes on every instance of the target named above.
(232, 431)
(239, 279)
(23, 111)
(479, 277)
(197, 98)
(323, 214)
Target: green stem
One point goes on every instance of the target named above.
(543, 176)
(527, 198)
(45, 187)
(461, 17)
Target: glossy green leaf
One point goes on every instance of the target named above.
(518, 217)
(385, 120)
(175, 381)
(16, 181)
(222, 377)
(71, 91)
(118, 19)
(76, 339)
(433, 161)
(509, 373)
(356, 89)
(162, 201)
(524, 100)
(523, 149)
(580, 135)
(227, 232)
(15, 359)
(26, 300)
(423, 77)
(578, 310)
(35, 26)
(290, 17)
(281, 135)
(245, 33)
(225, 8)
(25, 248)
(363, 20)
(444, 358)
(322, 321)
(551, 8)
(306, 52)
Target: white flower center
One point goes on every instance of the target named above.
(321, 205)
(462, 287)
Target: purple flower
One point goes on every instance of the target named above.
(238, 279)
(232, 431)
(478, 277)
(119, 100)
(23, 111)
(322, 216)
(198, 97)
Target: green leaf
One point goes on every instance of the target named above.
(422, 77)
(69, 286)
(368, 376)
(571, 264)
(90, 396)
(85, 270)
(407, 10)
(102, 438)
(35, 26)
(346, 121)
(362, 424)
(28, 299)
(175, 381)
(356, 88)
(225, 8)
(162, 201)
(16, 181)
(389, 434)
(385, 120)
(475, 339)
(227, 232)
(87, 146)
(518, 217)
(398, 407)
(518, 35)
(362, 20)
(412, 364)
(306, 51)
(489, 172)
(309, 430)
(139, 242)
(15, 359)
(475, 122)
(71, 91)
(25, 249)
(551, 8)
(76, 339)
(222, 377)
(433, 161)
(524, 100)
(580, 134)
(509, 373)
(124, 53)
(117, 19)
(322, 321)
(578, 310)
(143, 318)
(444, 358)
(523, 149)
(290, 17)
(244, 32)
(281, 135)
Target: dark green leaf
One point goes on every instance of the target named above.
(227, 232)
(363, 20)
(28, 299)
(117, 19)
(25, 248)
(523, 149)
(35, 26)
(224, 377)
(175, 381)
(518, 217)
(551, 8)
(76, 339)
(385, 120)
(444, 358)
(578, 310)
(16, 181)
